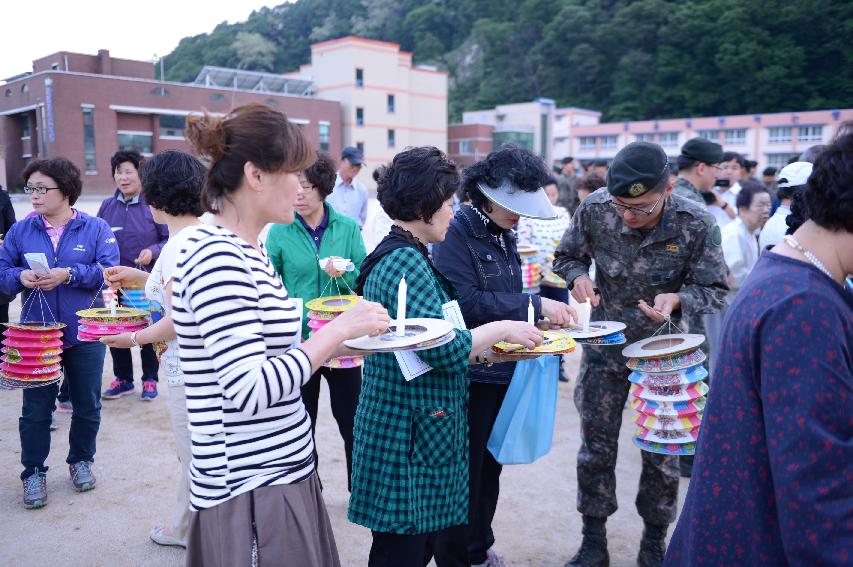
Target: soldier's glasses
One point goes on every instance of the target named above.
(622, 209)
(38, 190)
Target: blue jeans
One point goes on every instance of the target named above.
(83, 365)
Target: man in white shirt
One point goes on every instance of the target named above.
(792, 179)
(349, 195)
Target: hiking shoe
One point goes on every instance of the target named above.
(82, 476)
(592, 553)
(64, 407)
(652, 546)
(35, 490)
(149, 390)
(593, 549)
(117, 389)
(53, 424)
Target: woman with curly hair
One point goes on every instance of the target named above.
(321, 232)
(410, 457)
(775, 462)
(171, 185)
(480, 257)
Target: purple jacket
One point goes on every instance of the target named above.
(85, 243)
(133, 227)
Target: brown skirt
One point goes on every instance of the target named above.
(292, 526)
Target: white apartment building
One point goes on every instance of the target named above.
(387, 103)
(527, 125)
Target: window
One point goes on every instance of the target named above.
(392, 138)
(359, 117)
(466, 147)
(712, 135)
(25, 127)
(810, 133)
(360, 146)
(391, 104)
(609, 142)
(779, 135)
(359, 78)
(734, 136)
(8, 92)
(217, 97)
(669, 138)
(779, 160)
(587, 142)
(54, 66)
(644, 137)
(325, 130)
(172, 127)
(89, 155)
(142, 142)
(160, 91)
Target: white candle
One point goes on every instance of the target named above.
(401, 309)
(531, 313)
(587, 314)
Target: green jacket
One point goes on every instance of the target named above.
(410, 441)
(295, 258)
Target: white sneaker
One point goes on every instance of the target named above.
(159, 536)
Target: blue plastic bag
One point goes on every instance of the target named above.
(525, 424)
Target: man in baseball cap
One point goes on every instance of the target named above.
(697, 169)
(792, 179)
(349, 195)
(657, 256)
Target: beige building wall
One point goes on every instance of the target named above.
(363, 75)
(526, 124)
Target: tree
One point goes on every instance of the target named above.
(254, 51)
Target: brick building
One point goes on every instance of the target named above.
(87, 107)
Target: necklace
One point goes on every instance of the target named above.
(792, 242)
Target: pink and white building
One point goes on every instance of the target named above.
(769, 139)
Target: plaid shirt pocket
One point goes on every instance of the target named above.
(435, 439)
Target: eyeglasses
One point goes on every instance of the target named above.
(622, 209)
(39, 190)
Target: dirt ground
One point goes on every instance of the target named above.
(537, 523)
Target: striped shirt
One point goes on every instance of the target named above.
(235, 326)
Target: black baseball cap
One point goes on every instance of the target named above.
(700, 149)
(636, 169)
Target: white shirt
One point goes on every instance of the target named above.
(719, 215)
(775, 228)
(155, 290)
(350, 200)
(544, 235)
(740, 248)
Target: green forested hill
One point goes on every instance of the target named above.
(631, 59)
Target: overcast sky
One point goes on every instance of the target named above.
(130, 30)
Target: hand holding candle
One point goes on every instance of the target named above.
(400, 330)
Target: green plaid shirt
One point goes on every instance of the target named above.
(410, 454)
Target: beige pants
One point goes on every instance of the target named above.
(178, 411)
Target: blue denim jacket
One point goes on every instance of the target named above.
(486, 270)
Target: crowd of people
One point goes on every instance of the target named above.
(761, 267)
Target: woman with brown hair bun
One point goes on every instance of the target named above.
(253, 487)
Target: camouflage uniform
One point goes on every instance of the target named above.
(681, 255)
(687, 190)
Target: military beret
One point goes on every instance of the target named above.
(636, 169)
(703, 150)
